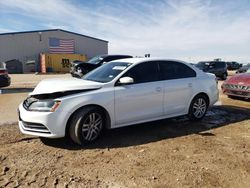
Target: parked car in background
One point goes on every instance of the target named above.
(79, 68)
(243, 68)
(117, 94)
(4, 77)
(233, 65)
(237, 85)
(219, 68)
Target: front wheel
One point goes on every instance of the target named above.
(86, 125)
(198, 107)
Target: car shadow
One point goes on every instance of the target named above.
(15, 90)
(139, 134)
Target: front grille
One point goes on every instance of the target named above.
(237, 87)
(35, 127)
(239, 93)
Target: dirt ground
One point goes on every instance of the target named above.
(169, 153)
(12, 96)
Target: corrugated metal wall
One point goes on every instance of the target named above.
(58, 62)
(27, 46)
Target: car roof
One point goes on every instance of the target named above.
(140, 60)
(213, 62)
(111, 55)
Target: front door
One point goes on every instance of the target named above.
(142, 100)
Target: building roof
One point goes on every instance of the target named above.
(48, 30)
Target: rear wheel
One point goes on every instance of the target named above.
(198, 107)
(86, 125)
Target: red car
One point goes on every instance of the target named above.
(238, 85)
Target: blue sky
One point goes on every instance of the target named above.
(188, 30)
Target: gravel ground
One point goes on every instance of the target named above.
(170, 153)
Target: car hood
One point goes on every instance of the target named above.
(241, 79)
(48, 86)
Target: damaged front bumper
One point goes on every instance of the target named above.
(44, 124)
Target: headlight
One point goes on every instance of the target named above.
(44, 106)
(79, 70)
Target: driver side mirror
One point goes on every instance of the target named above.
(126, 81)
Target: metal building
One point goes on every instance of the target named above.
(25, 47)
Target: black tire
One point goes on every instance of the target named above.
(198, 107)
(86, 125)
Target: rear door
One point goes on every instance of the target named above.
(142, 100)
(178, 82)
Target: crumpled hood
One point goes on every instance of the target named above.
(242, 79)
(48, 86)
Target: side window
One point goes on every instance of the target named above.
(175, 70)
(220, 64)
(144, 72)
(107, 59)
(183, 71)
(167, 70)
(212, 65)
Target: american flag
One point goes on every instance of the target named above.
(61, 46)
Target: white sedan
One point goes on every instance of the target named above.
(117, 94)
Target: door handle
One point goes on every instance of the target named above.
(190, 85)
(158, 89)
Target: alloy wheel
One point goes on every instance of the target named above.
(92, 126)
(199, 107)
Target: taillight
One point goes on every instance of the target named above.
(3, 71)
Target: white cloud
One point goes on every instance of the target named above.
(190, 30)
(3, 30)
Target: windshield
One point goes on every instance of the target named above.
(106, 72)
(95, 60)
